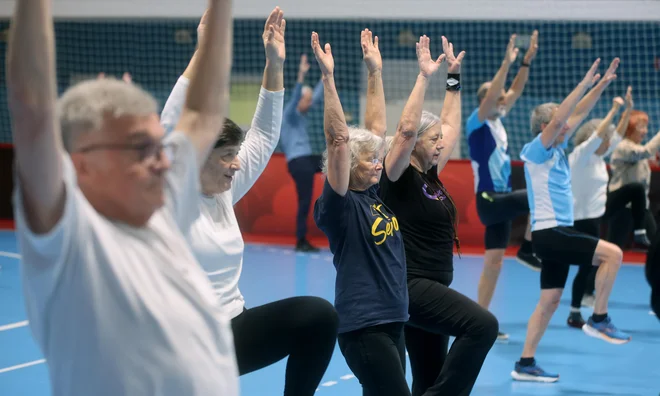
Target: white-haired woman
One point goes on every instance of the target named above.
(428, 219)
(304, 329)
(371, 296)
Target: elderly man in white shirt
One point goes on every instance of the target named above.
(594, 141)
(115, 298)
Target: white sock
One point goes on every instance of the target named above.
(575, 310)
(640, 232)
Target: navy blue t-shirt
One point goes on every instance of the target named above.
(369, 257)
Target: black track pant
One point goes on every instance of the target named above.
(436, 313)
(302, 328)
(652, 271)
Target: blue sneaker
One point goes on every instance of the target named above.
(532, 373)
(605, 330)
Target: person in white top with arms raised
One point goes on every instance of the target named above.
(115, 298)
(594, 141)
(302, 328)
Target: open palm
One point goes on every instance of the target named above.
(274, 36)
(427, 66)
(453, 61)
(323, 56)
(370, 51)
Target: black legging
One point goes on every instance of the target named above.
(620, 217)
(302, 170)
(436, 313)
(652, 271)
(302, 328)
(581, 280)
(377, 357)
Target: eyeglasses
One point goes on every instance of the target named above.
(145, 151)
(375, 161)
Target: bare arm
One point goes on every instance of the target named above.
(518, 85)
(587, 103)
(603, 129)
(208, 95)
(560, 118)
(334, 122)
(32, 96)
(451, 109)
(375, 117)
(398, 159)
(625, 117)
(497, 84)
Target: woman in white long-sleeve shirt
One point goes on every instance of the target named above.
(302, 328)
(594, 141)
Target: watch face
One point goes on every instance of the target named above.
(452, 81)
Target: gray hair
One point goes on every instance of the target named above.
(360, 141)
(427, 121)
(588, 129)
(84, 106)
(307, 89)
(542, 114)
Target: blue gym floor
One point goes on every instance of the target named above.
(588, 366)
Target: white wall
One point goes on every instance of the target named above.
(388, 9)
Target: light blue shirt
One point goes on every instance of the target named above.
(294, 140)
(488, 147)
(549, 191)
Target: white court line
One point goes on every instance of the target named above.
(11, 255)
(13, 325)
(24, 365)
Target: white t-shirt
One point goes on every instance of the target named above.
(118, 310)
(215, 236)
(589, 177)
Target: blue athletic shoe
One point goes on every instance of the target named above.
(532, 373)
(605, 330)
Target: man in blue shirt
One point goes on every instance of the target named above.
(294, 142)
(497, 205)
(556, 242)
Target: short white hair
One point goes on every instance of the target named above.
(588, 129)
(306, 89)
(542, 114)
(84, 106)
(360, 141)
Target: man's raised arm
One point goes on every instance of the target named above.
(32, 96)
(207, 99)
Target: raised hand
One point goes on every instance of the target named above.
(427, 66)
(323, 57)
(533, 47)
(127, 78)
(304, 65)
(453, 62)
(610, 74)
(273, 36)
(629, 99)
(370, 51)
(201, 28)
(591, 77)
(511, 50)
(617, 102)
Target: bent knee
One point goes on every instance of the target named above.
(319, 314)
(485, 327)
(610, 253)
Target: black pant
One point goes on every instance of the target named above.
(652, 271)
(585, 271)
(622, 219)
(436, 313)
(302, 170)
(302, 328)
(497, 212)
(377, 357)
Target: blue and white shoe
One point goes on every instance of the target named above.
(532, 373)
(605, 330)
